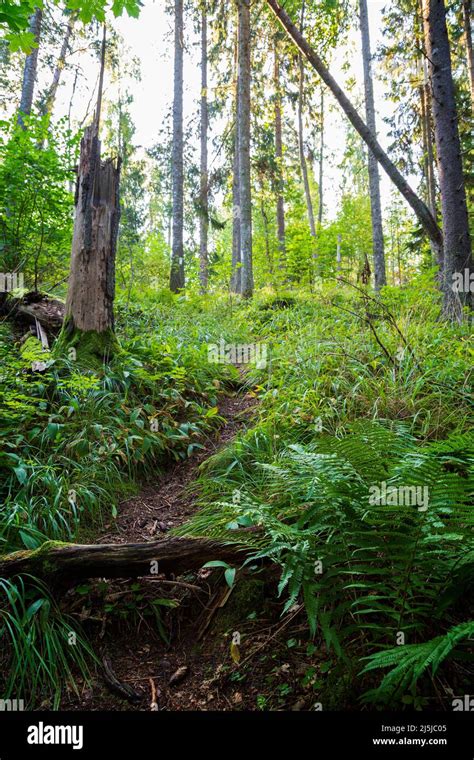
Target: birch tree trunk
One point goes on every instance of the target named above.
(30, 68)
(304, 167)
(421, 210)
(374, 179)
(177, 253)
(47, 105)
(456, 238)
(321, 164)
(280, 206)
(204, 180)
(243, 120)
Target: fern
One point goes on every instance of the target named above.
(409, 662)
(386, 568)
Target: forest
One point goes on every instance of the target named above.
(236, 344)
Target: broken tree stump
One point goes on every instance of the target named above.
(89, 319)
(169, 555)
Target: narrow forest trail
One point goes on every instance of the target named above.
(115, 612)
(169, 503)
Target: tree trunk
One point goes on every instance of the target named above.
(466, 11)
(50, 96)
(30, 68)
(267, 239)
(169, 555)
(374, 179)
(429, 165)
(89, 320)
(423, 213)
(456, 238)
(321, 164)
(177, 254)
(236, 276)
(428, 150)
(280, 206)
(304, 167)
(243, 120)
(427, 134)
(204, 181)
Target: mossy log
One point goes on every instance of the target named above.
(28, 308)
(169, 555)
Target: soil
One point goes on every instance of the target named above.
(181, 657)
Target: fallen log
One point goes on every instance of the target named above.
(34, 307)
(169, 555)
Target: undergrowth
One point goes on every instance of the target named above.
(357, 394)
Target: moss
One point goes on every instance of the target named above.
(247, 597)
(41, 558)
(90, 349)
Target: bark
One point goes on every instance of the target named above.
(243, 121)
(428, 154)
(177, 253)
(456, 238)
(89, 314)
(429, 165)
(37, 307)
(30, 68)
(89, 303)
(204, 178)
(374, 179)
(466, 11)
(236, 277)
(280, 206)
(47, 106)
(321, 165)
(267, 238)
(172, 555)
(421, 210)
(303, 164)
(427, 133)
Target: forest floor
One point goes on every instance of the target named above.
(189, 666)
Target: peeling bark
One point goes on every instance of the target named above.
(91, 292)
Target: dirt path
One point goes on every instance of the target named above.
(169, 503)
(119, 615)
